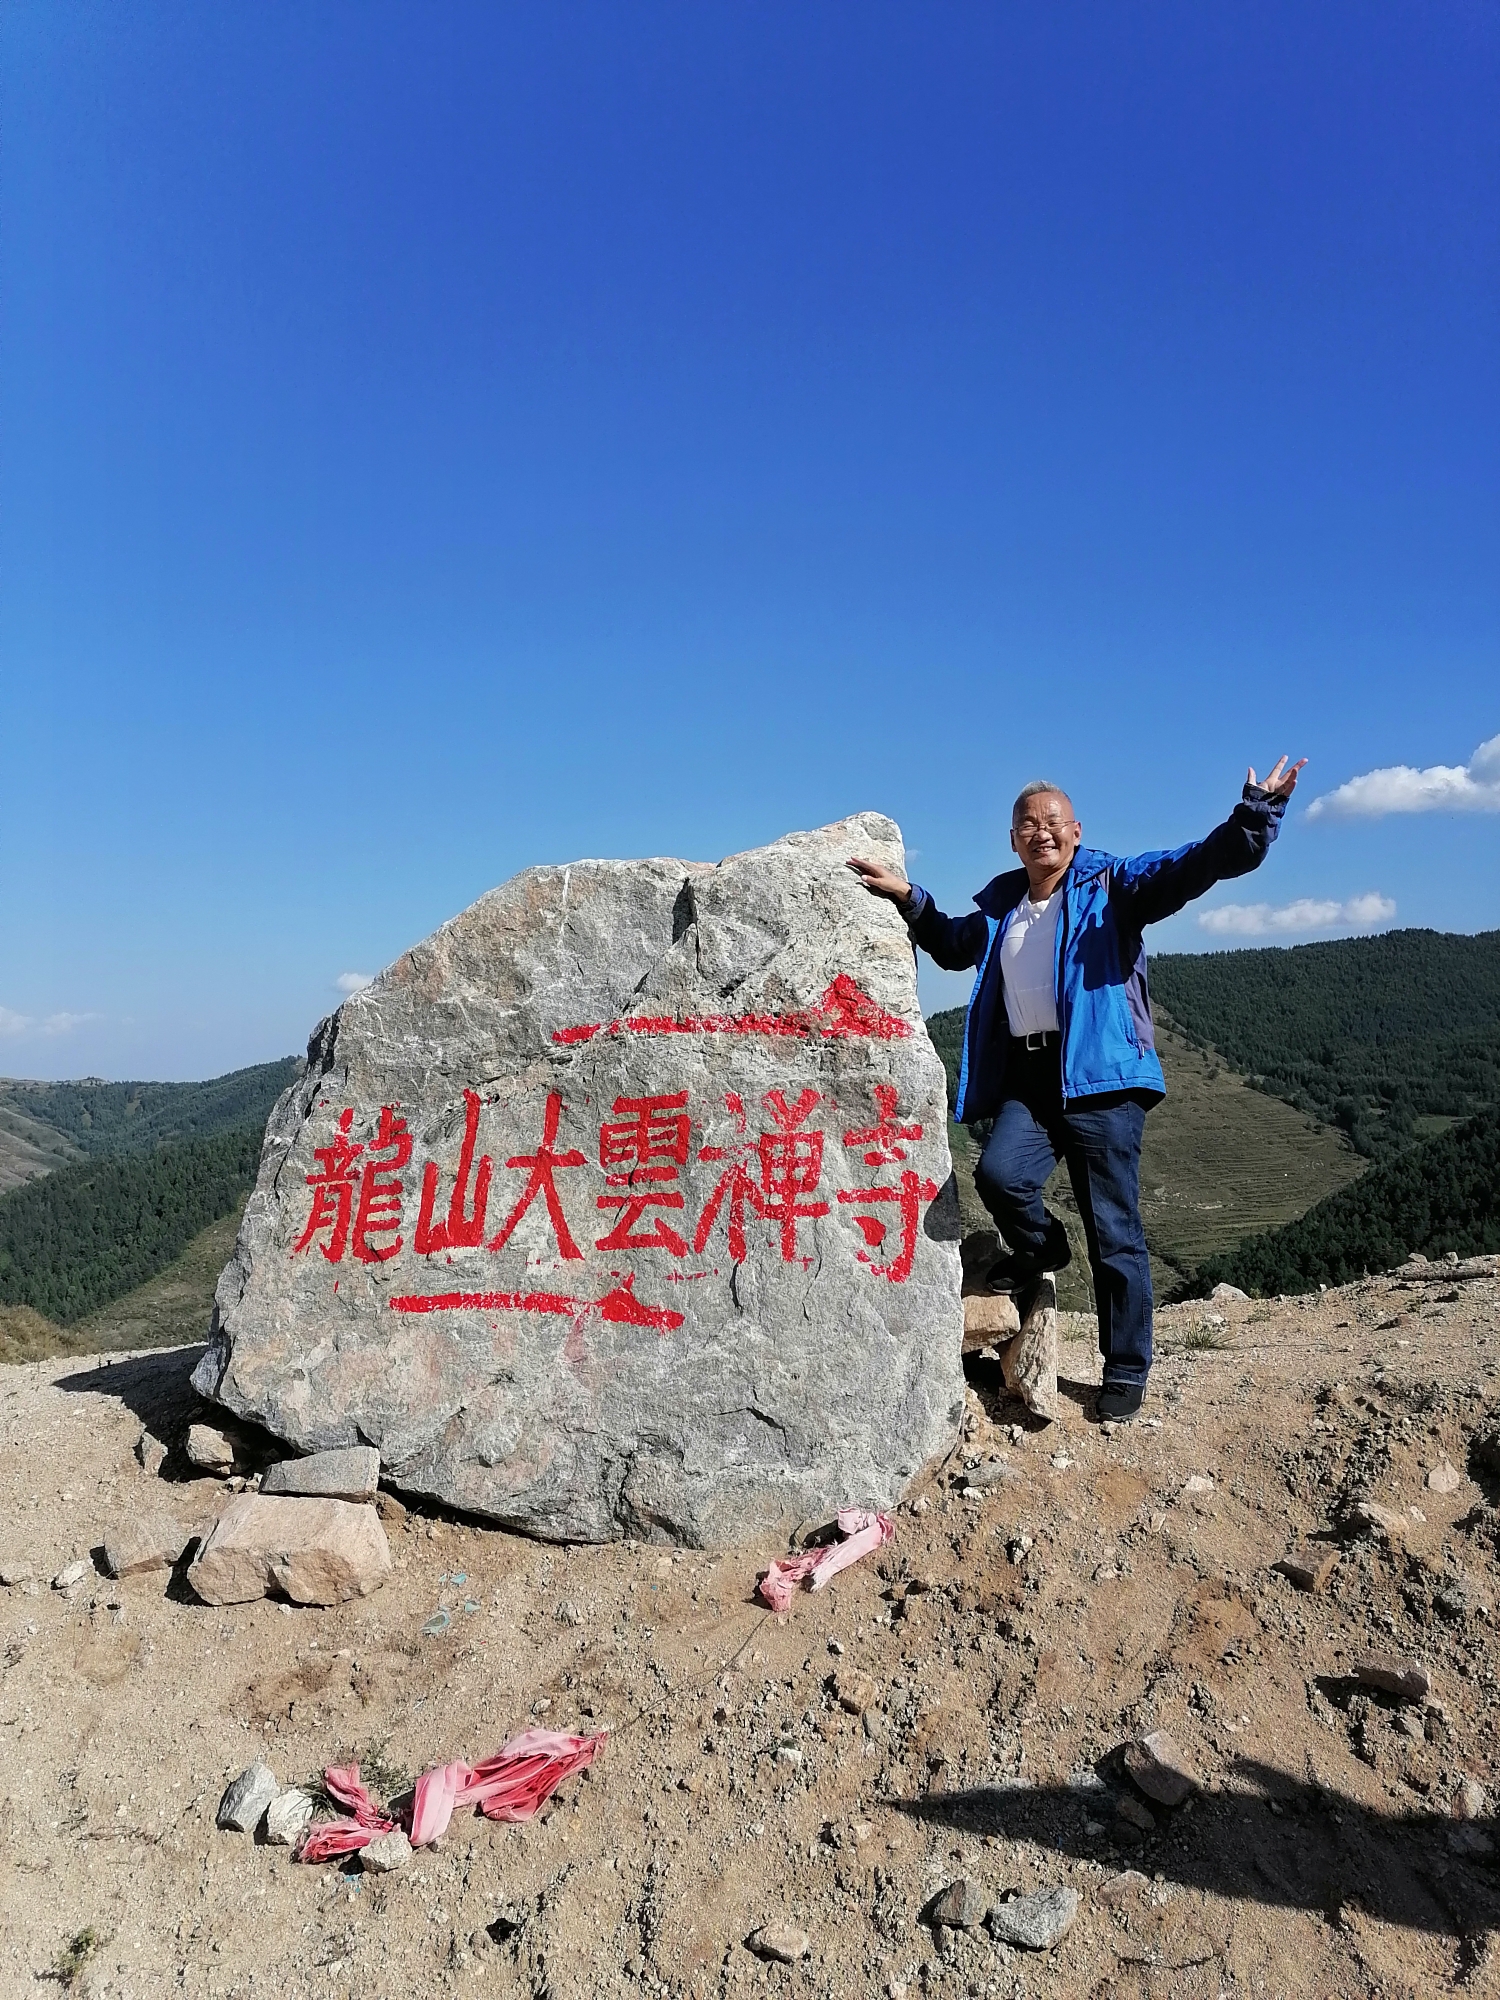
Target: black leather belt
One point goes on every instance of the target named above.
(1035, 1043)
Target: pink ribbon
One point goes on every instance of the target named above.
(328, 1838)
(862, 1532)
(511, 1785)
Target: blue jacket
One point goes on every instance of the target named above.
(1103, 1007)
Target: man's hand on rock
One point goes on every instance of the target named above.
(1280, 783)
(882, 881)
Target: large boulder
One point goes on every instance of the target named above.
(622, 1205)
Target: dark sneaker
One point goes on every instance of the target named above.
(1010, 1273)
(1121, 1401)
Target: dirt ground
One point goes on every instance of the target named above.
(1011, 1644)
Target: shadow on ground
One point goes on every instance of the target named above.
(1280, 1841)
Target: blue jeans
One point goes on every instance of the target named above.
(1100, 1138)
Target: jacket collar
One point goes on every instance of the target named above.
(1001, 895)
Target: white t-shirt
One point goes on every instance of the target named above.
(1028, 958)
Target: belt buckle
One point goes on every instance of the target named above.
(1037, 1039)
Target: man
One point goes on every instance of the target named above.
(1058, 1046)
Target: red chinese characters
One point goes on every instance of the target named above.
(773, 1176)
(640, 1152)
(542, 1166)
(464, 1227)
(362, 1209)
(769, 1174)
(881, 1143)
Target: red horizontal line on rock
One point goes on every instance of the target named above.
(620, 1307)
(844, 1012)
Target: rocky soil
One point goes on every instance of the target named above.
(955, 1711)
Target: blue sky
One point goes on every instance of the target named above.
(444, 438)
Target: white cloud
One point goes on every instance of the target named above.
(12, 1023)
(61, 1024)
(1400, 788)
(354, 982)
(1310, 913)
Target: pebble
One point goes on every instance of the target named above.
(962, 1906)
(73, 1575)
(1160, 1769)
(854, 1692)
(1118, 1887)
(151, 1453)
(386, 1853)
(1469, 1799)
(143, 1542)
(1366, 1515)
(1035, 1923)
(1198, 1483)
(1222, 1295)
(286, 1816)
(1406, 1678)
(994, 1472)
(209, 1449)
(242, 1806)
(1135, 1814)
(1444, 1477)
(1469, 1840)
(12, 1575)
(782, 1943)
(1310, 1570)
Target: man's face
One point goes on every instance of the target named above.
(1045, 833)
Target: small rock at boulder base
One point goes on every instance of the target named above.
(242, 1805)
(1366, 1517)
(1160, 1769)
(1228, 1295)
(144, 1542)
(1135, 1814)
(855, 1692)
(1470, 1801)
(314, 1551)
(1406, 1678)
(621, 1206)
(990, 1318)
(209, 1449)
(151, 1453)
(350, 1474)
(962, 1906)
(1029, 1363)
(1119, 1887)
(1198, 1483)
(1035, 1923)
(1311, 1569)
(1445, 1477)
(287, 1817)
(994, 1472)
(73, 1575)
(782, 1943)
(386, 1853)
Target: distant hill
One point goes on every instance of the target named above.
(1386, 1037)
(73, 1240)
(97, 1119)
(1438, 1195)
(1220, 1162)
(106, 1183)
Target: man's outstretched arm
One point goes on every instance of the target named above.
(1153, 886)
(954, 943)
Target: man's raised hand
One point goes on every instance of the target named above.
(1280, 783)
(880, 880)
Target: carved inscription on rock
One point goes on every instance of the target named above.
(620, 1206)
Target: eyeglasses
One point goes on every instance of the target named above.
(1052, 823)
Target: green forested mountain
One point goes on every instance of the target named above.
(1438, 1195)
(75, 1239)
(1374, 1035)
(159, 1162)
(100, 1119)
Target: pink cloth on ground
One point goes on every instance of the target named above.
(511, 1785)
(863, 1532)
(325, 1839)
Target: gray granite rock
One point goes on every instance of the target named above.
(312, 1551)
(245, 1802)
(288, 1817)
(351, 1474)
(385, 1853)
(1036, 1923)
(473, 1247)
